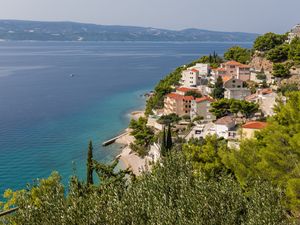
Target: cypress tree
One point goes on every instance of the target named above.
(89, 164)
(169, 143)
(163, 149)
(218, 91)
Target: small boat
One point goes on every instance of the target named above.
(72, 75)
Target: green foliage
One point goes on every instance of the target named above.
(294, 53)
(261, 76)
(268, 41)
(163, 148)
(286, 88)
(169, 141)
(274, 154)
(89, 165)
(218, 91)
(214, 60)
(238, 54)
(171, 194)
(206, 155)
(193, 93)
(167, 119)
(143, 135)
(224, 107)
(279, 53)
(280, 70)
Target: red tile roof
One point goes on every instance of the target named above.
(203, 99)
(185, 89)
(226, 78)
(180, 97)
(195, 70)
(220, 69)
(255, 125)
(266, 91)
(235, 63)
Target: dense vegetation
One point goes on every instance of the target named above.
(268, 41)
(238, 54)
(143, 135)
(275, 153)
(224, 107)
(171, 194)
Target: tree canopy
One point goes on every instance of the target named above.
(171, 194)
(238, 54)
(268, 41)
(280, 70)
(224, 107)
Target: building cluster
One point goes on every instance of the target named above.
(200, 79)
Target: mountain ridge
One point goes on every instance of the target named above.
(24, 30)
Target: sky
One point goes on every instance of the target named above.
(257, 16)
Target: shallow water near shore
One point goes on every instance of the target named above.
(48, 116)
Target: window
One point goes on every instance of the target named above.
(233, 81)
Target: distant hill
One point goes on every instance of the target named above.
(17, 30)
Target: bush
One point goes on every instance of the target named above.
(286, 88)
(279, 53)
(280, 70)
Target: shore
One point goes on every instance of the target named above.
(128, 158)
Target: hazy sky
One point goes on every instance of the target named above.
(227, 15)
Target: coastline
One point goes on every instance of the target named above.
(127, 158)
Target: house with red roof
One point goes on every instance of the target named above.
(178, 104)
(236, 69)
(249, 128)
(201, 107)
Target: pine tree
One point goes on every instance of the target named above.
(89, 164)
(169, 143)
(163, 149)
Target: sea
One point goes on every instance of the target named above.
(56, 96)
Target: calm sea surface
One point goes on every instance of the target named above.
(47, 117)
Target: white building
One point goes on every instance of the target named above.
(203, 68)
(193, 76)
(223, 127)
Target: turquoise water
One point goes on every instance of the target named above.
(47, 117)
